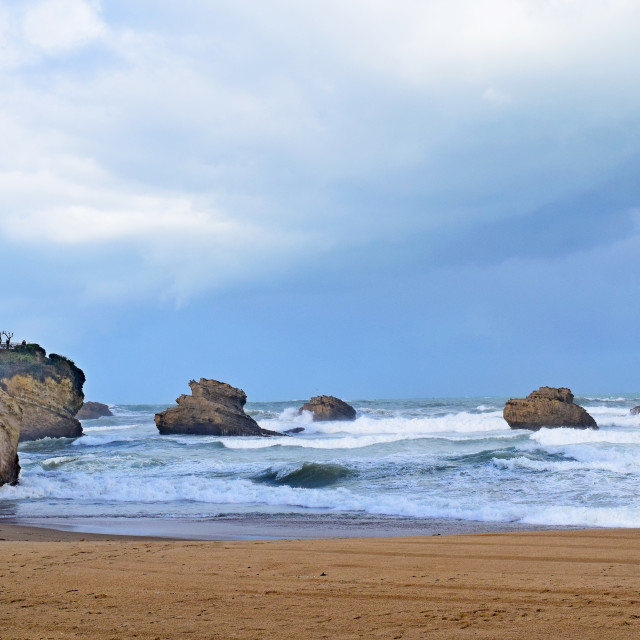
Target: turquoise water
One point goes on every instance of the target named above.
(429, 458)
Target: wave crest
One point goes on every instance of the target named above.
(310, 475)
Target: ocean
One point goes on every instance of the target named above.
(444, 459)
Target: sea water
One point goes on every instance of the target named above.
(431, 458)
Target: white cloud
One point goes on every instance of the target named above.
(61, 25)
(255, 137)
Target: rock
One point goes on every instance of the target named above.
(635, 411)
(295, 430)
(93, 410)
(10, 423)
(214, 409)
(47, 389)
(329, 408)
(547, 407)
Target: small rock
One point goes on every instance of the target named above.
(325, 408)
(93, 410)
(295, 430)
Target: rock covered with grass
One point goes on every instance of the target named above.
(48, 391)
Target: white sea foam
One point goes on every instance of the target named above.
(58, 460)
(345, 442)
(614, 417)
(102, 439)
(120, 427)
(227, 492)
(621, 464)
(565, 436)
(462, 422)
(623, 516)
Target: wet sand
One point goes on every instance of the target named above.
(265, 526)
(551, 584)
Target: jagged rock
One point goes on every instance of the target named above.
(635, 411)
(47, 389)
(92, 410)
(326, 408)
(547, 407)
(10, 423)
(214, 409)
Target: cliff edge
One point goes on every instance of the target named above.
(48, 391)
(10, 423)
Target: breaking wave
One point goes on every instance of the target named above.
(309, 475)
(564, 436)
(426, 459)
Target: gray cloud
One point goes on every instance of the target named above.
(211, 145)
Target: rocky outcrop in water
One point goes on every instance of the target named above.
(214, 409)
(92, 410)
(294, 430)
(635, 411)
(547, 407)
(48, 390)
(326, 408)
(10, 423)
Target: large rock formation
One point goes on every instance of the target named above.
(10, 423)
(48, 391)
(93, 410)
(214, 409)
(326, 408)
(547, 407)
(635, 411)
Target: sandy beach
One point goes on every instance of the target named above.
(551, 584)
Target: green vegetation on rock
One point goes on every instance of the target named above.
(31, 360)
(47, 389)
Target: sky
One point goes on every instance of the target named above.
(363, 198)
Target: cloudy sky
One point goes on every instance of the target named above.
(368, 198)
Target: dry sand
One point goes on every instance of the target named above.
(551, 585)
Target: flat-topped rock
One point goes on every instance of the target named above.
(635, 411)
(325, 408)
(92, 410)
(547, 407)
(214, 408)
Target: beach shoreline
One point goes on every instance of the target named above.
(266, 526)
(535, 584)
